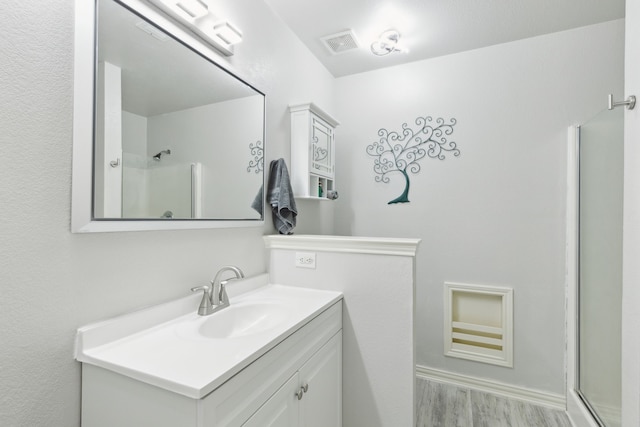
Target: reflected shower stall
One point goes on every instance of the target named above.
(155, 188)
(595, 253)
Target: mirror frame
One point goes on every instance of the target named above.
(82, 220)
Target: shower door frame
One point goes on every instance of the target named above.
(577, 408)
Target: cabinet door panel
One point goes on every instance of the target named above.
(321, 405)
(321, 148)
(281, 410)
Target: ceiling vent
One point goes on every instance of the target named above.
(340, 42)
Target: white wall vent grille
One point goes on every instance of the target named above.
(340, 42)
(479, 323)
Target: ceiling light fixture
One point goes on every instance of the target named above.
(187, 10)
(196, 15)
(387, 42)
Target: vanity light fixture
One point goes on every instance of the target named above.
(387, 43)
(194, 8)
(188, 10)
(227, 32)
(196, 14)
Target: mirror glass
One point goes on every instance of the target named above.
(176, 137)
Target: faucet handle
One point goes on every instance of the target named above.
(204, 288)
(205, 305)
(223, 297)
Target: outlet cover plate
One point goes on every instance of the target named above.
(306, 259)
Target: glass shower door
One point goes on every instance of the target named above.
(600, 266)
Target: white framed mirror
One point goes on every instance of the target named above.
(166, 136)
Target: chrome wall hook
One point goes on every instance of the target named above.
(115, 163)
(630, 102)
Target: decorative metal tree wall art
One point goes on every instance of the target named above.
(401, 152)
(257, 162)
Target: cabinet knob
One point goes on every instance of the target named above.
(305, 387)
(299, 393)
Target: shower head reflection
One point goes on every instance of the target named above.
(158, 156)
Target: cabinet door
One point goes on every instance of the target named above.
(321, 148)
(281, 410)
(321, 405)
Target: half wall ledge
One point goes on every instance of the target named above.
(345, 244)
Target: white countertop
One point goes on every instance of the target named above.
(160, 346)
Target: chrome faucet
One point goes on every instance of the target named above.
(215, 297)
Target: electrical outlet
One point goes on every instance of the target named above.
(306, 259)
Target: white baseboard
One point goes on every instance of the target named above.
(552, 400)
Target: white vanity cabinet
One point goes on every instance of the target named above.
(264, 393)
(312, 151)
(311, 397)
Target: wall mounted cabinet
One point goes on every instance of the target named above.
(312, 151)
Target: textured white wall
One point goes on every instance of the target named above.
(53, 281)
(495, 215)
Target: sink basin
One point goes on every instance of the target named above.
(238, 321)
(243, 320)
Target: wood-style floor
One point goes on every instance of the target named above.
(444, 405)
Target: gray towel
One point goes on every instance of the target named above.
(257, 201)
(280, 197)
